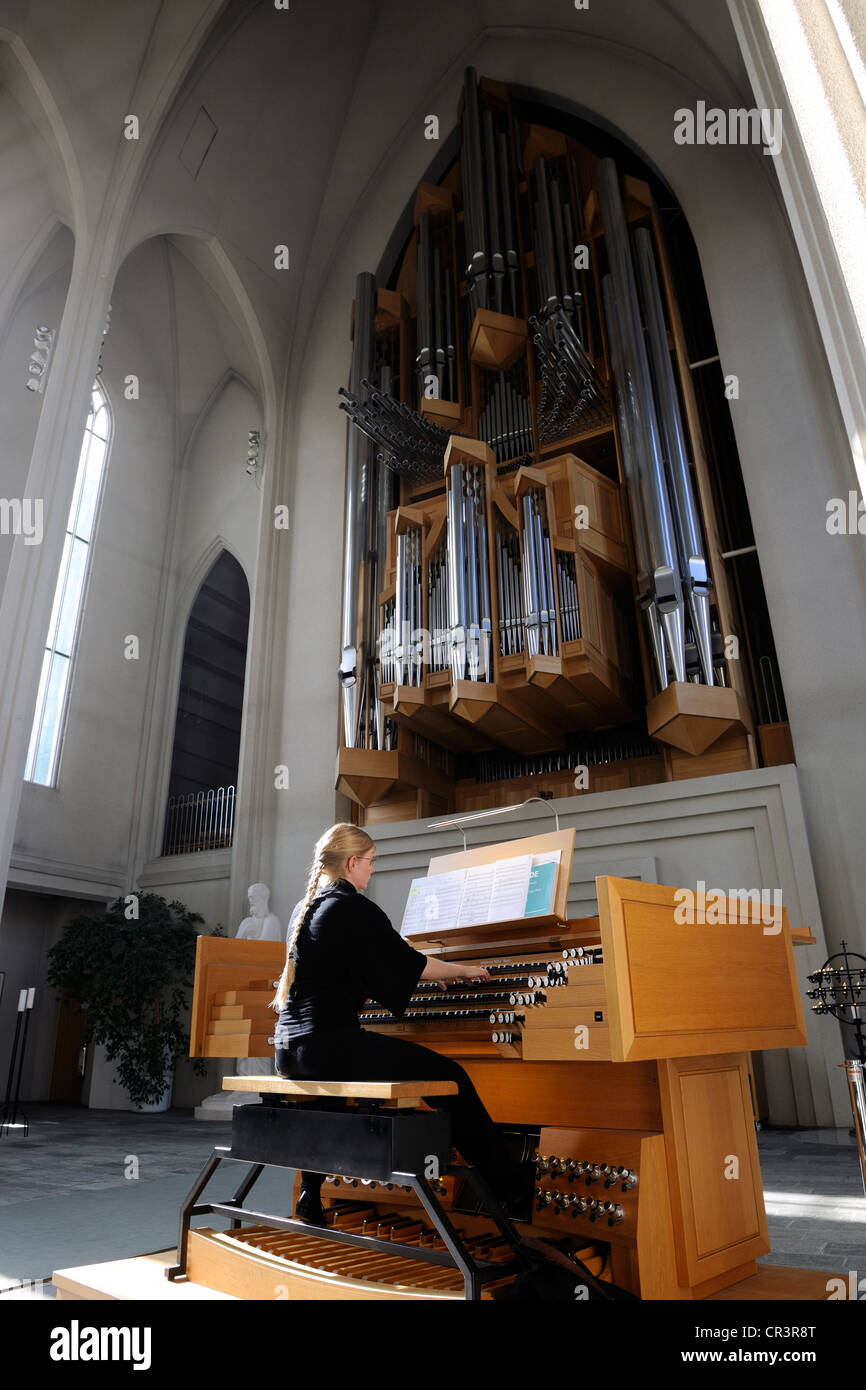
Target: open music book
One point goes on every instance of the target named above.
(503, 891)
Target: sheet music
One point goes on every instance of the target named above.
(442, 899)
(433, 902)
(413, 913)
(510, 886)
(476, 895)
(502, 891)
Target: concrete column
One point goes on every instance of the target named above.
(25, 607)
(802, 57)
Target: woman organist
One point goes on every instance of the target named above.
(342, 950)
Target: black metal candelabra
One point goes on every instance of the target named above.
(10, 1111)
(840, 990)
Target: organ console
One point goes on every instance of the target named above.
(616, 1048)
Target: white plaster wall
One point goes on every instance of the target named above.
(40, 303)
(150, 507)
(85, 819)
(219, 497)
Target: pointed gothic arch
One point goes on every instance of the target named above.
(209, 712)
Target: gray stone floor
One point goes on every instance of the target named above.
(93, 1185)
(813, 1192)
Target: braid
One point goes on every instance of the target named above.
(333, 852)
(288, 975)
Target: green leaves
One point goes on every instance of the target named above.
(136, 978)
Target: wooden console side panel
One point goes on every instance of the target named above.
(717, 1199)
(683, 989)
(225, 963)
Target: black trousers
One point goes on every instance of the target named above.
(351, 1054)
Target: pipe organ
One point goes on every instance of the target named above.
(533, 557)
(613, 1050)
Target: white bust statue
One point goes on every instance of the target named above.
(261, 925)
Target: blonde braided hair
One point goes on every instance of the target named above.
(332, 853)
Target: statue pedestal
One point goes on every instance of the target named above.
(219, 1105)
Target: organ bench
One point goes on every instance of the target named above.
(339, 1127)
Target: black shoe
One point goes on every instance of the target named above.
(309, 1209)
(518, 1200)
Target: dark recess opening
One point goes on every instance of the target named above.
(207, 731)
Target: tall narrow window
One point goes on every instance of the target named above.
(207, 734)
(63, 629)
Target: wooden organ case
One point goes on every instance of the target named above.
(623, 1042)
(537, 572)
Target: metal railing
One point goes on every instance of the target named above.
(199, 821)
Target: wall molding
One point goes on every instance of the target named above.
(201, 867)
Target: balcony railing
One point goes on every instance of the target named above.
(199, 821)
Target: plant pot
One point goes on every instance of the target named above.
(158, 1107)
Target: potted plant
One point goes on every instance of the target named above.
(133, 974)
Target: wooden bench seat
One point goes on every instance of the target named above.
(346, 1090)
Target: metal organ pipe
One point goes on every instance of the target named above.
(633, 489)
(469, 611)
(530, 578)
(666, 591)
(456, 579)
(356, 577)
(486, 621)
(409, 611)
(693, 565)
(493, 270)
(473, 193)
(541, 634)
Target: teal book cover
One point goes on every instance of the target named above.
(542, 881)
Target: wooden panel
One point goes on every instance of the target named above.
(605, 1095)
(717, 1199)
(222, 1027)
(67, 1078)
(552, 1044)
(730, 753)
(777, 746)
(693, 717)
(664, 1001)
(239, 1045)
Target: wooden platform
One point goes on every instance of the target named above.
(778, 1281)
(142, 1278)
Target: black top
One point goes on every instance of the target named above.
(346, 952)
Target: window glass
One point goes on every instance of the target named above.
(65, 623)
